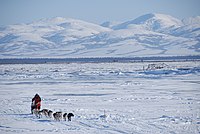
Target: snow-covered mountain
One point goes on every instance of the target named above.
(153, 22)
(147, 35)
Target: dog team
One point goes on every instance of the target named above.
(58, 116)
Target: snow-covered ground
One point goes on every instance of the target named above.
(135, 101)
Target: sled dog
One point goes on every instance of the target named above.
(45, 112)
(69, 116)
(50, 114)
(65, 116)
(57, 116)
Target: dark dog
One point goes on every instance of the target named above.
(69, 116)
(65, 116)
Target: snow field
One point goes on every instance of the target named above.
(135, 101)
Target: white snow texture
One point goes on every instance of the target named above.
(106, 98)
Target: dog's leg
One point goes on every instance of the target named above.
(65, 116)
(69, 118)
(50, 113)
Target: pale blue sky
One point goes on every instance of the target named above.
(97, 11)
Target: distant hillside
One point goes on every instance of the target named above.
(147, 35)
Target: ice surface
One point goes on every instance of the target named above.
(111, 98)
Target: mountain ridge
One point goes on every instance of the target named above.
(154, 21)
(148, 35)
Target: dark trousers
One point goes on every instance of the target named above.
(34, 107)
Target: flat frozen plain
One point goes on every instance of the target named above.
(135, 101)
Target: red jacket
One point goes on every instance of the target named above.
(36, 101)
